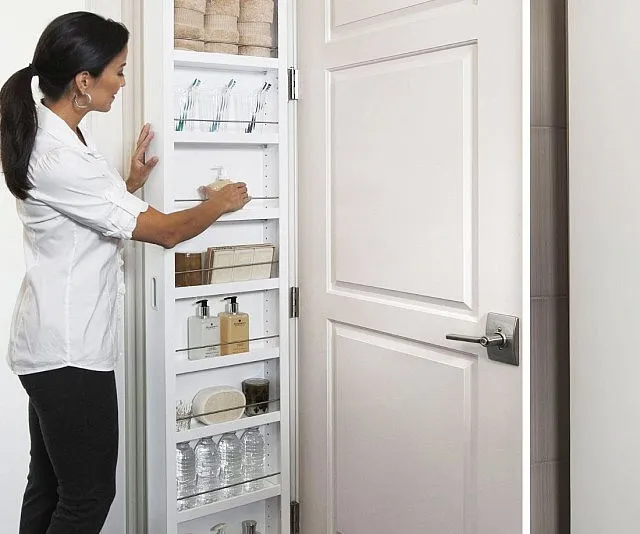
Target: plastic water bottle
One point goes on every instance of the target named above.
(185, 475)
(207, 470)
(253, 459)
(230, 451)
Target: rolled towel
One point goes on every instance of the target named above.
(195, 5)
(188, 44)
(257, 51)
(223, 7)
(256, 11)
(255, 34)
(189, 24)
(221, 48)
(221, 29)
(216, 398)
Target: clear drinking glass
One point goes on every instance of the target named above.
(207, 106)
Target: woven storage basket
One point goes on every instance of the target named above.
(221, 48)
(256, 11)
(195, 5)
(255, 34)
(223, 7)
(257, 51)
(189, 24)
(188, 44)
(221, 29)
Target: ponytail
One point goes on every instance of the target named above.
(18, 127)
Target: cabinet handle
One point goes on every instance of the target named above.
(154, 293)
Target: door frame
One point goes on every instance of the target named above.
(525, 347)
(122, 125)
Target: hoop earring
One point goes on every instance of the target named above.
(82, 106)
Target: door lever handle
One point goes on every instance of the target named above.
(496, 340)
(501, 339)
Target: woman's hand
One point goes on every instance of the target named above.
(231, 197)
(140, 169)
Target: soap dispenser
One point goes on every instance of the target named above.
(203, 331)
(220, 180)
(234, 329)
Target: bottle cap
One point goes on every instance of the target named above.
(203, 308)
(232, 305)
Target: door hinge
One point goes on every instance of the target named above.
(293, 84)
(295, 517)
(294, 302)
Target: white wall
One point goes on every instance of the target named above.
(604, 189)
(20, 38)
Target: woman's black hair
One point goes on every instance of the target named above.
(70, 44)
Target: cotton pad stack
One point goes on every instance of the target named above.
(255, 27)
(221, 26)
(189, 24)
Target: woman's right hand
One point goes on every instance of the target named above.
(231, 197)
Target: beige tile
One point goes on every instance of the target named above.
(548, 63)
(549, 213)
(549, 380)
(550, 498)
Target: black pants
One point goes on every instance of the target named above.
(73, 422)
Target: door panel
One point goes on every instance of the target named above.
(413, 461)
(402, 132)
(347, 12)
(412, 226)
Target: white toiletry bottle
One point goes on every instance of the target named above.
(203, 331)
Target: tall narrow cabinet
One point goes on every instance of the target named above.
(246, 133)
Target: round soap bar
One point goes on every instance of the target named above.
(218, 404)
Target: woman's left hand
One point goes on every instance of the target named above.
(140, 169)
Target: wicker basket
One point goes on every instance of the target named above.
(256, 11)
(221, 29)
(188, 44)
(257, 51)
(189, 24)
(223, 7)
(255, 34)
(194, 5)
(221, 48)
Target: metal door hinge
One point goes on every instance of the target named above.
(295, 517)
(294, 302)
(293, 84)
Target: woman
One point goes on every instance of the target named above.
(76, 210)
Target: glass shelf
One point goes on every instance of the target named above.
(243, 423)
(271, 489)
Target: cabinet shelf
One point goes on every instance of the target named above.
(205, 60)
(222, 428)
(219, 362)
(230, 288)
(271, 490)
(226, 138)
(245, 214)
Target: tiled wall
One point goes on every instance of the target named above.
(549, 277)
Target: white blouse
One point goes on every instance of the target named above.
(70, 307)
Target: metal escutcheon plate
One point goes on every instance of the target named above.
(510, 327)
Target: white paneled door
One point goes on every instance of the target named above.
(412, 124)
